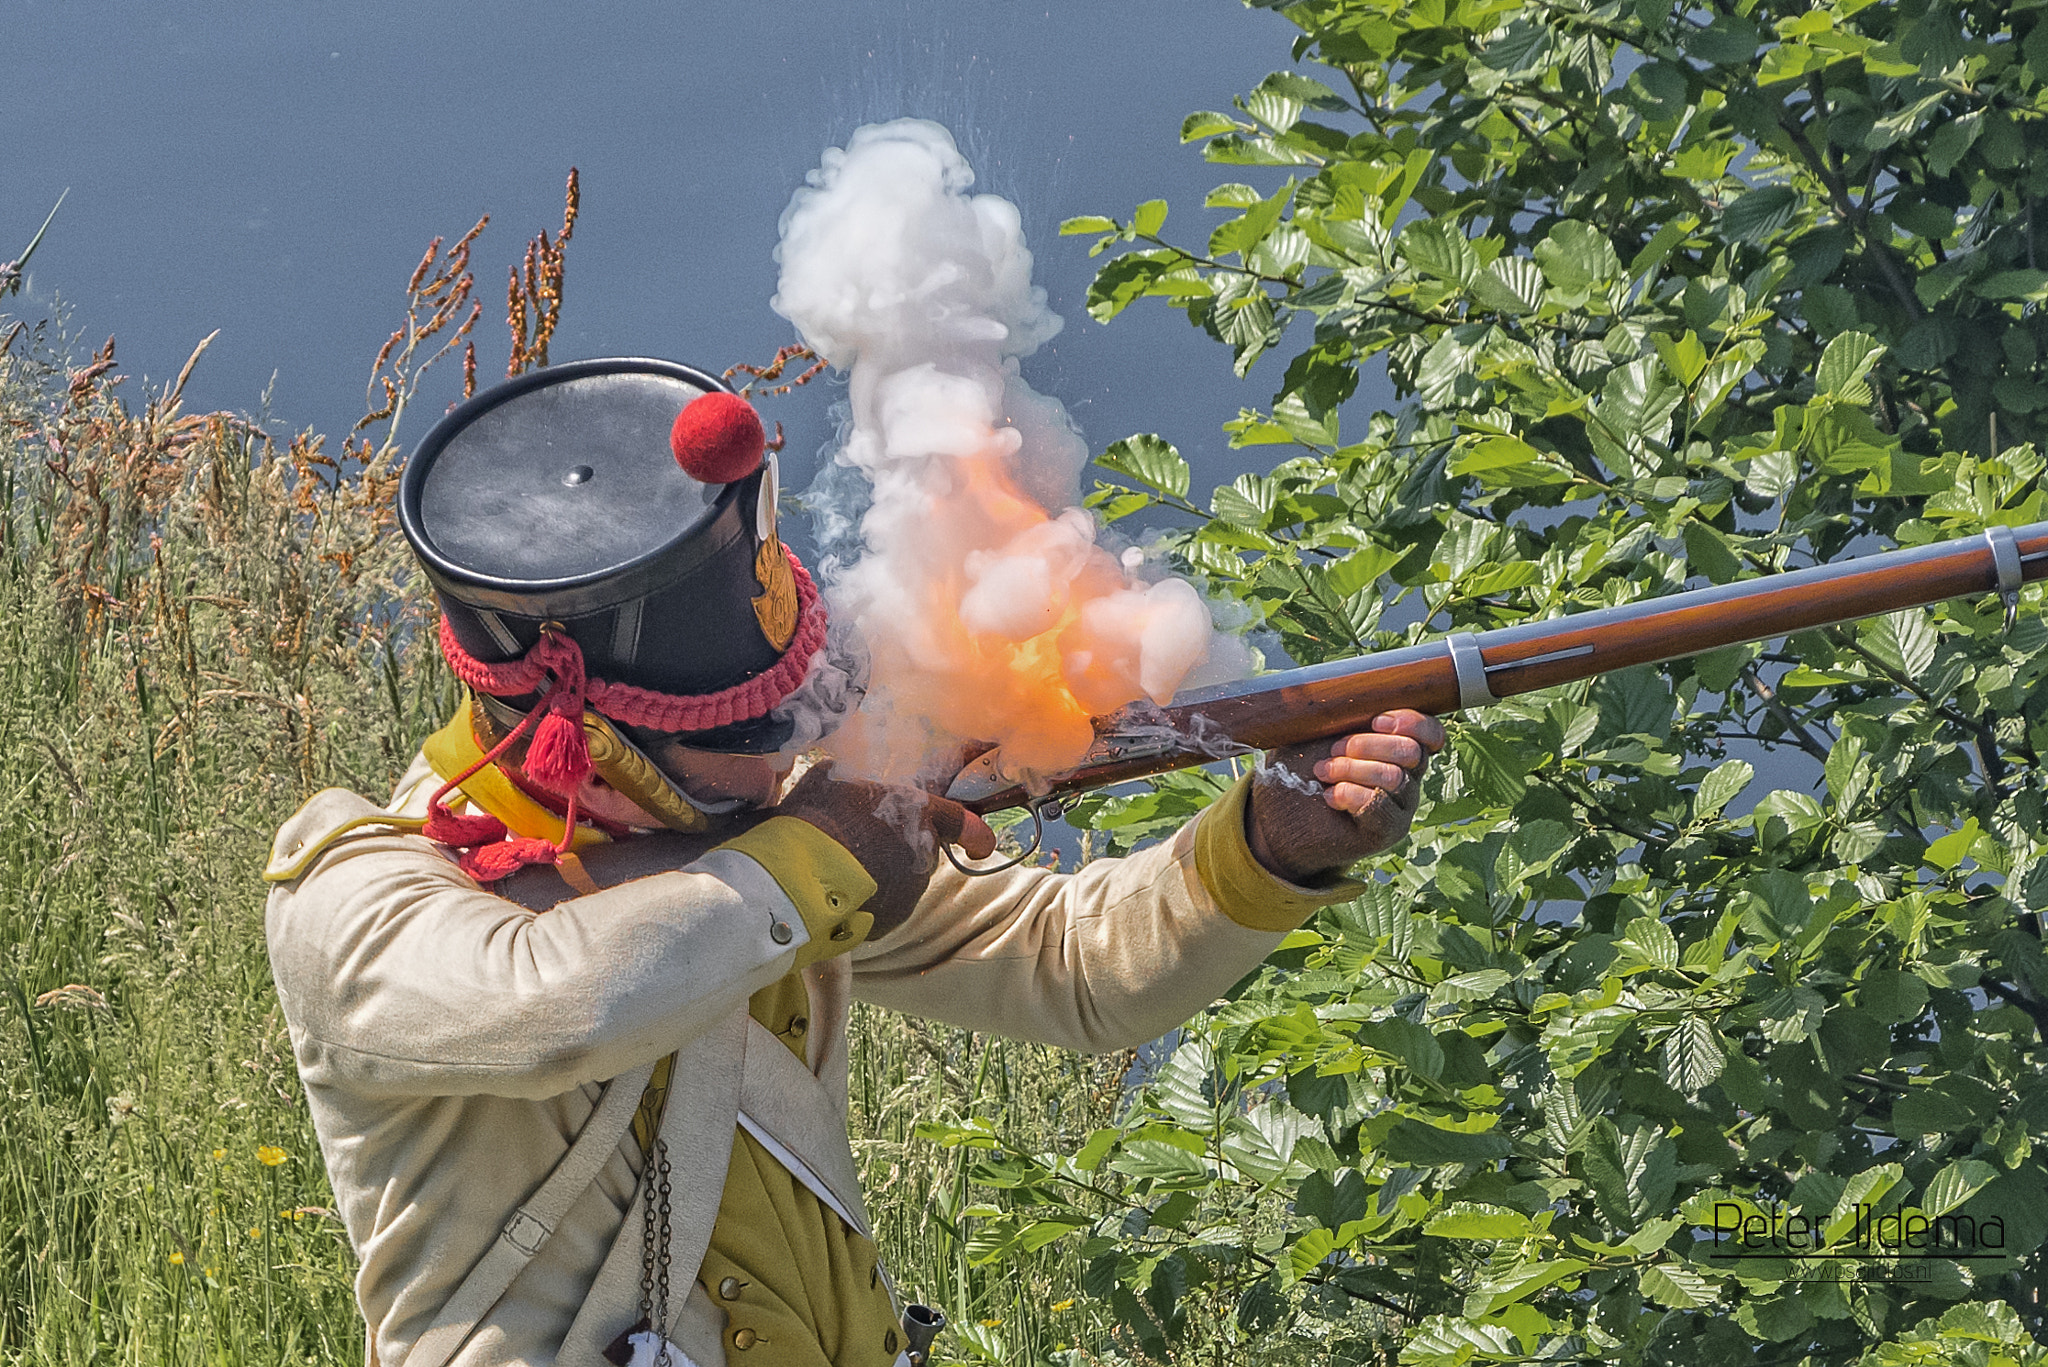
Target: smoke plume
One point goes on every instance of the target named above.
(991, 608)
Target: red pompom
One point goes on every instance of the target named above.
(718, 438)
(559, 756)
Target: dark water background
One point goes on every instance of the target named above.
(275, 171)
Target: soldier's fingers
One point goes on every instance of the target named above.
(1420, 726)
(955, 825)
(1354, 798)
(977, 838)
(1366, 773)
(1405, 751)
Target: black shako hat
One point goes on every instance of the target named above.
(556, 500)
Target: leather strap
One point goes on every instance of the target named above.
(528, 1229)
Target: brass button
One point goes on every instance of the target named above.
(730, 1288)
(798, 1024)
(889, 1341)
(780, 933)
(747, 1338)
(840, 932)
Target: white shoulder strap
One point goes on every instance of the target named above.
(521, 1238)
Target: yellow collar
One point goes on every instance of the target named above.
(453, 748)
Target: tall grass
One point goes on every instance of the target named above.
(198, 626)
(201, 624)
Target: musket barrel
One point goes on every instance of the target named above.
(1438, 677)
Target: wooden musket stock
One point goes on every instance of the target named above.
(1471, 670)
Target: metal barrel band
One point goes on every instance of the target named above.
(1471, 669)
(2005, 560)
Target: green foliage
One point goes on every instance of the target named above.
(1667, 296)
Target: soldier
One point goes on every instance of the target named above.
(571, 1009)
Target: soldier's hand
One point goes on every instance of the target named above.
(893, 832)
(1370, 784)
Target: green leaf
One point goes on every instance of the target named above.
(1951, 849)
(1149, 459)
(1891, 996)
(1633, 1175)
(1492, 767)
(1955, 1184)
(1309, 1250)
(1333, 1202)
(1470, 1220)
(1720, 787)
(1206, 124)
(1090, 1155)
(1652, 941)
(1493, 453)
(1438, 249)
(1087, 223)
(1947, 1106)
(1476, 986)
(1262, 1307)
(1454, 1340)
(1412, 1142)
(1148, 218)
(1760, 214)
(1676, 1286)
(1122, 281)
(1843, 365)
(1413, 1044)
(1707, 549)
(1577, 258)
(1510, 284)
(1729, 40)
(1694, 1056)
(1362, 568)
(1158, 1160)
(2021, 284)
(1904, 642)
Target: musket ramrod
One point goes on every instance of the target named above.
(1470, 670)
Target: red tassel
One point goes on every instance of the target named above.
(480, 828)
(559, 756)
(489, 863)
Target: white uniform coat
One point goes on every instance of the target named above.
(452, 1041)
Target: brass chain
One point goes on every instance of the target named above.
(654, 1231)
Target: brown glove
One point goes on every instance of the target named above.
(894, 833)
(1318, 808)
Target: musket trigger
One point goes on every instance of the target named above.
(2005, 561)
(1042, 810)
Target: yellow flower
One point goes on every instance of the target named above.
(177, 1260)
(990, 1324)
(254, 1232)
(1062, 1305)
(269, 1155)
(219, 1154)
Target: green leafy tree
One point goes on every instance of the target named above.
(1666, 296)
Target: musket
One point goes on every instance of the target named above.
(1469, 670)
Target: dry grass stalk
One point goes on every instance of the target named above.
(438, 305)
(773, 371)
(533, 295)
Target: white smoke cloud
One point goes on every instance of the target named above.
(990, 607)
